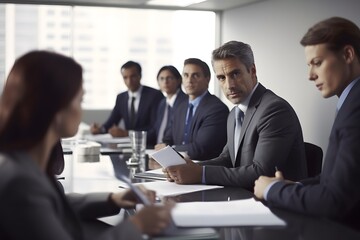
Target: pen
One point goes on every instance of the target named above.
(276, 169)
(143, 199)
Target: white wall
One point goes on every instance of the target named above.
(274, 28)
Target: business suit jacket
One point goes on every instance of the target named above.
(207, 130)
(181, 96)
(271, 136)
(33, 207)
(146, 114)
(335, 193)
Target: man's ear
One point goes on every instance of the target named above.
(349, 53)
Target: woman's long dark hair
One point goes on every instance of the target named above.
(39, 85)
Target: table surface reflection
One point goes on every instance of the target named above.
(101, 174)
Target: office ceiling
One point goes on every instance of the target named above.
(212, 5)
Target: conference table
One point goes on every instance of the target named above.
(83, 175)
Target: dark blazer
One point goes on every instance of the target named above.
(207, 130)
(181, 96)
(33, 207)
(146, 114)
(271, 136)
(335, 193)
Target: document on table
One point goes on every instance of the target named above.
(165, 188)
(156, 174)
(167, 157)
(107, 138)
(247, 212)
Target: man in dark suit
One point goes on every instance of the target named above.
(200, 119)
(332, 49)
(137, 106)
(169, 80)
(266, 134)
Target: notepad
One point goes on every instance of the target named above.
(167, 157)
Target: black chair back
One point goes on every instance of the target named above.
(314, 158)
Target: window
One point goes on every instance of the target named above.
(102, 39)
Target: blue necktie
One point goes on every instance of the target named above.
(188, 123)
(239, 117)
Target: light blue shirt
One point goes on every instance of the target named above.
(196, 103)
(345, 93)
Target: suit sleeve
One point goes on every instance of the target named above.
(93, 205)
(115, 115)
(151, 129)
(336, 195)
(28, 211)
(266, 146)
(222, 160)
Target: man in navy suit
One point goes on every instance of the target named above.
(194, 130)
(263, 130)
(169, 80)
(137, 106)
(332, 49)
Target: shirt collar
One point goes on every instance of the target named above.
(197, 100)
(135, 94)
(345, 93)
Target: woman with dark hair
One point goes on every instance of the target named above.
(40, 104)
(169, 80)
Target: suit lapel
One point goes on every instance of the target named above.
(198, 113)
(253, 104)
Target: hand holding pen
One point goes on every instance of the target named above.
(151, 219)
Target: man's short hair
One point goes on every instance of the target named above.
(335, 32)
(130, 64)
(237, 50)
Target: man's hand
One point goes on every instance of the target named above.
(118, 132)
(159, 146)
(153, 164)
(188, 173)
(262, 182)
(95, 128)
(153, 219)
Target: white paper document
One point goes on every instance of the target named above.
(165, 188)
(167, 157)
(247, 212)
(107, 138)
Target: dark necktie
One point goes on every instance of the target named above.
(239, 117)
(132, 113)
(188, 124)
